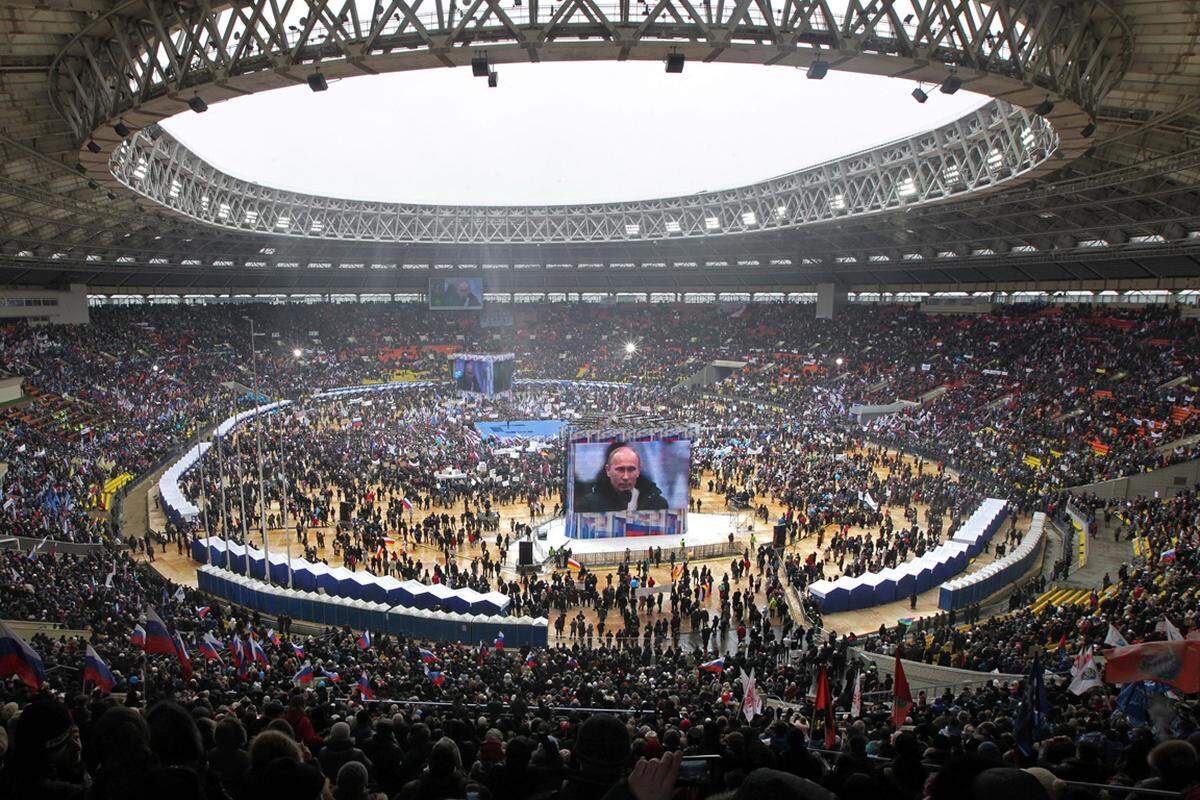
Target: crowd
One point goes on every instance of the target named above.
(1023, 403)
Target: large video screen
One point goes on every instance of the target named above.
(474, 376)
(502, 375)
(456, 294)
(625, 475)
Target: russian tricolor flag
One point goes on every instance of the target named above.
(158, 639)
(364, 687)
(716, 665)
(138, 637)
(210, 647)
(404, 501)
(364, 641)
(257, 653)
(202, 611)
(436, 677)
(97, 672)
(18, 658)
(427, 656)
(274, 636)
(499, 643)
(181, 653)
(1167, 555)
(530, 660)
(297, 650)
(305, 675)
(236, 651)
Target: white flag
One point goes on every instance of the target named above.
(751, 701)
(179, 595)
(109, 580)
(856, 699)
(1085, 673)
(1114, 637)
(1173, 634)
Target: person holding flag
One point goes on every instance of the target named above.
(304, 675)
(210, 647)
(138, 637)
(364, 687)
(1084, 672)
(97, 673)
(181, 654)
(158, 638)
(427, 656)
(364, 640)
(751, 700)
(257, 654)
(1031, 713)
(824, 702)
(901, 694)
(717, 665)
(18, 658)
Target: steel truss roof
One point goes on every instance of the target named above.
(135, 73)
(983, 150)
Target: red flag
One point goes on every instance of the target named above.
(825, 702)
(901, 696)
(1174, 663)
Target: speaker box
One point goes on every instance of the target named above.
(524, 553)
(780, 536)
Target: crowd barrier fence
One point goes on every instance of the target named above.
(976, 587)
(916, 575)
(417, 623)
(345, 583)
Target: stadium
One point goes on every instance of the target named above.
(781, 398)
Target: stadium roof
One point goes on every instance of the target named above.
(998, 199)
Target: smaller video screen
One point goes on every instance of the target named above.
(456, 294)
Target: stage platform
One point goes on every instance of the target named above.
(707, 537)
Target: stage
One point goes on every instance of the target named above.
(707, 537)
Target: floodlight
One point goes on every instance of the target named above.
(122, 129)
(317, 82)
(817, 69)
(630, 347)
(951, 85)
(1088, 130)
(479, 67)
(675, 63)
(92, 146)
(1043, 108)
(919, 95)
(493, 79)
(196, 103)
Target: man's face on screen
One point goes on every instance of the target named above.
(462, 289)
(623, 468)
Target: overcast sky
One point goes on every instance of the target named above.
(555, 132)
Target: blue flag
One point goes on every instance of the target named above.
(1031, 713)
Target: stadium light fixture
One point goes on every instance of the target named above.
(92, 146)
(675, 62)
(630, 347)
(91, 184)
(1043, 108)
(122, 129)
(297, 352)
(196, 103)
(493, 79)
(952, 84)
(1088, 129)
(839, 361)
(919, 95)
(317, 82)
(479, 66)
(817, 70)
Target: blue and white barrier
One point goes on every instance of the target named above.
(417, 623)
(976, 587)
(343, 583)
(916, 575)
(174, 504)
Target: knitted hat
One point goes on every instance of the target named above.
(602, 742)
